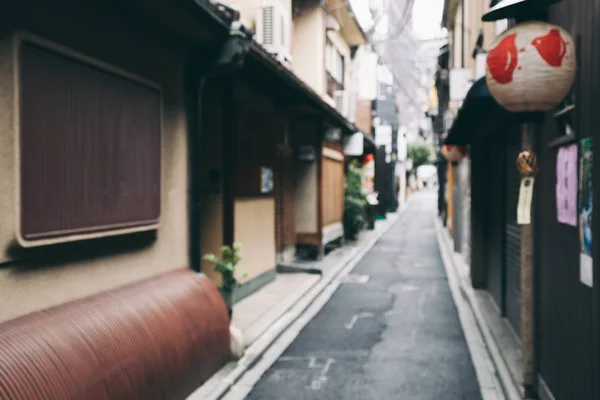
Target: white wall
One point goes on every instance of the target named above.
(308, 50)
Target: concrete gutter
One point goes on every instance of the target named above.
(220, 383)
(499, 368)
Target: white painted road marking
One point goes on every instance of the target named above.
(318, 382)
(356, 317)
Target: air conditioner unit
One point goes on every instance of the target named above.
(341, 99)
(352, 99)
(273, 29)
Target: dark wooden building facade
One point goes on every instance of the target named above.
(567, 311)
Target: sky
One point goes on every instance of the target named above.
(427, 15)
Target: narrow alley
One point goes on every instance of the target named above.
(299, 199)
(390, 331)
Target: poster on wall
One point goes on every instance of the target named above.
(566, 185)
(586, 201)
(525, 198)
(266, 180)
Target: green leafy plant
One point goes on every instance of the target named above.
(226, 266)
(355, 203)
(420, 154)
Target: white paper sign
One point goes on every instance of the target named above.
(525, 198)
(586, 270)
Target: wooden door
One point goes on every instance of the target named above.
(332, 183)
(285, 202)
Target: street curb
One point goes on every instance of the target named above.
(508, 386)
(233, 371)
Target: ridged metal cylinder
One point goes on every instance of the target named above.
(160, 338)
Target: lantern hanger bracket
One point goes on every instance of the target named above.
(564, 110)
(562, 141)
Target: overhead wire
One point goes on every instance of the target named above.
(405, 19)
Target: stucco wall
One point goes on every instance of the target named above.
(473, 12)
(39, 278)
(211, 238)
(306, 132)
(309, 48)
(255, 230)
(306, 198)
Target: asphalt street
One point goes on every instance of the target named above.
(391, 331)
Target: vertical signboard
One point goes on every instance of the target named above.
(566, 185)
(266, 180)
(586, 201)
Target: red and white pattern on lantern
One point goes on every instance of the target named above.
(531, 67)
(454, 153)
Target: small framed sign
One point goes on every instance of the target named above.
(266, 180)
(307, 153)
(333, 134)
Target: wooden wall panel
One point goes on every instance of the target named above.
(568, 329)
(285, 192)
(90, 147)
(332, 194)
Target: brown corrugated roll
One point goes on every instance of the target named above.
(160, 338)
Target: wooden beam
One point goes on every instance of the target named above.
(332, 154)
(229, 159)
(450, 197)
(527, 316)
(298, 110)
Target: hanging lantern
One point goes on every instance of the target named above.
(527, 163)
(454, 154)
(531, 67)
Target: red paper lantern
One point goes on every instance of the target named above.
(531, 67)
(454, 153)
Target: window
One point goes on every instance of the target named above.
(334, 67)
(329, 53)
(340, 69)
(90, 148)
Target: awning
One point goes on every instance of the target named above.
(472, 116)
(291, 92)
(264, 70)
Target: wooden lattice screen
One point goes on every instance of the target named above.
(332, 194)
(90, 147)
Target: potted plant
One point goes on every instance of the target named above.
(355, 202)
(226, 266)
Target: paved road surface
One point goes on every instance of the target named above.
(395, 337)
